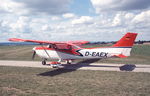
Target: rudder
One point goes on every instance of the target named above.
(125, 44)
(126, 41)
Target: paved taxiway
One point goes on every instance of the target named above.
(83, 66)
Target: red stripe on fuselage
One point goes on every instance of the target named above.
(72, 51)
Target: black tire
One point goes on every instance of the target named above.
(44, 62)
(68, 62)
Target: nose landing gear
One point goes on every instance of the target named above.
(44, 62)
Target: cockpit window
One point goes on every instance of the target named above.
(62, 46)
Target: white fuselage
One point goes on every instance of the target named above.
(84, 53)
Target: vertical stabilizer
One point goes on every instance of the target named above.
(126, 41)
(125, 44)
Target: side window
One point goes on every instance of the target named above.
(54, 46)
(62, 46)
(69, 47)
(75, 47)
(49, 46)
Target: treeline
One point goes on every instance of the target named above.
(141, 42)
(113, 42)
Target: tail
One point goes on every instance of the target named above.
(125, 44)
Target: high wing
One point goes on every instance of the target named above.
(34, 41)
(79, 42)
(49, 42)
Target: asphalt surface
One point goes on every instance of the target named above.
(82, 66)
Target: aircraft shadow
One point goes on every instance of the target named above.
(73, 67)
(127, 67)
(68, 68)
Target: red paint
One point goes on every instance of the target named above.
(72, 51)
(55, 62)
(126, 41)
(120, 56)
(79, 42)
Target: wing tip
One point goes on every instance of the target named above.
(15, 40)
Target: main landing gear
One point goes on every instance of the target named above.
(68, 61)
(56, 64)
(52, 64)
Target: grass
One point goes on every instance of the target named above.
(17, 81)
(16, 53)
(139, 55)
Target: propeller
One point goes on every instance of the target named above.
(33, 56)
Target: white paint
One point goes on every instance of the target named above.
(86, 53)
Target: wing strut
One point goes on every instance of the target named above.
(45, 50)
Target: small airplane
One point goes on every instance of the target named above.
(71, 50)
